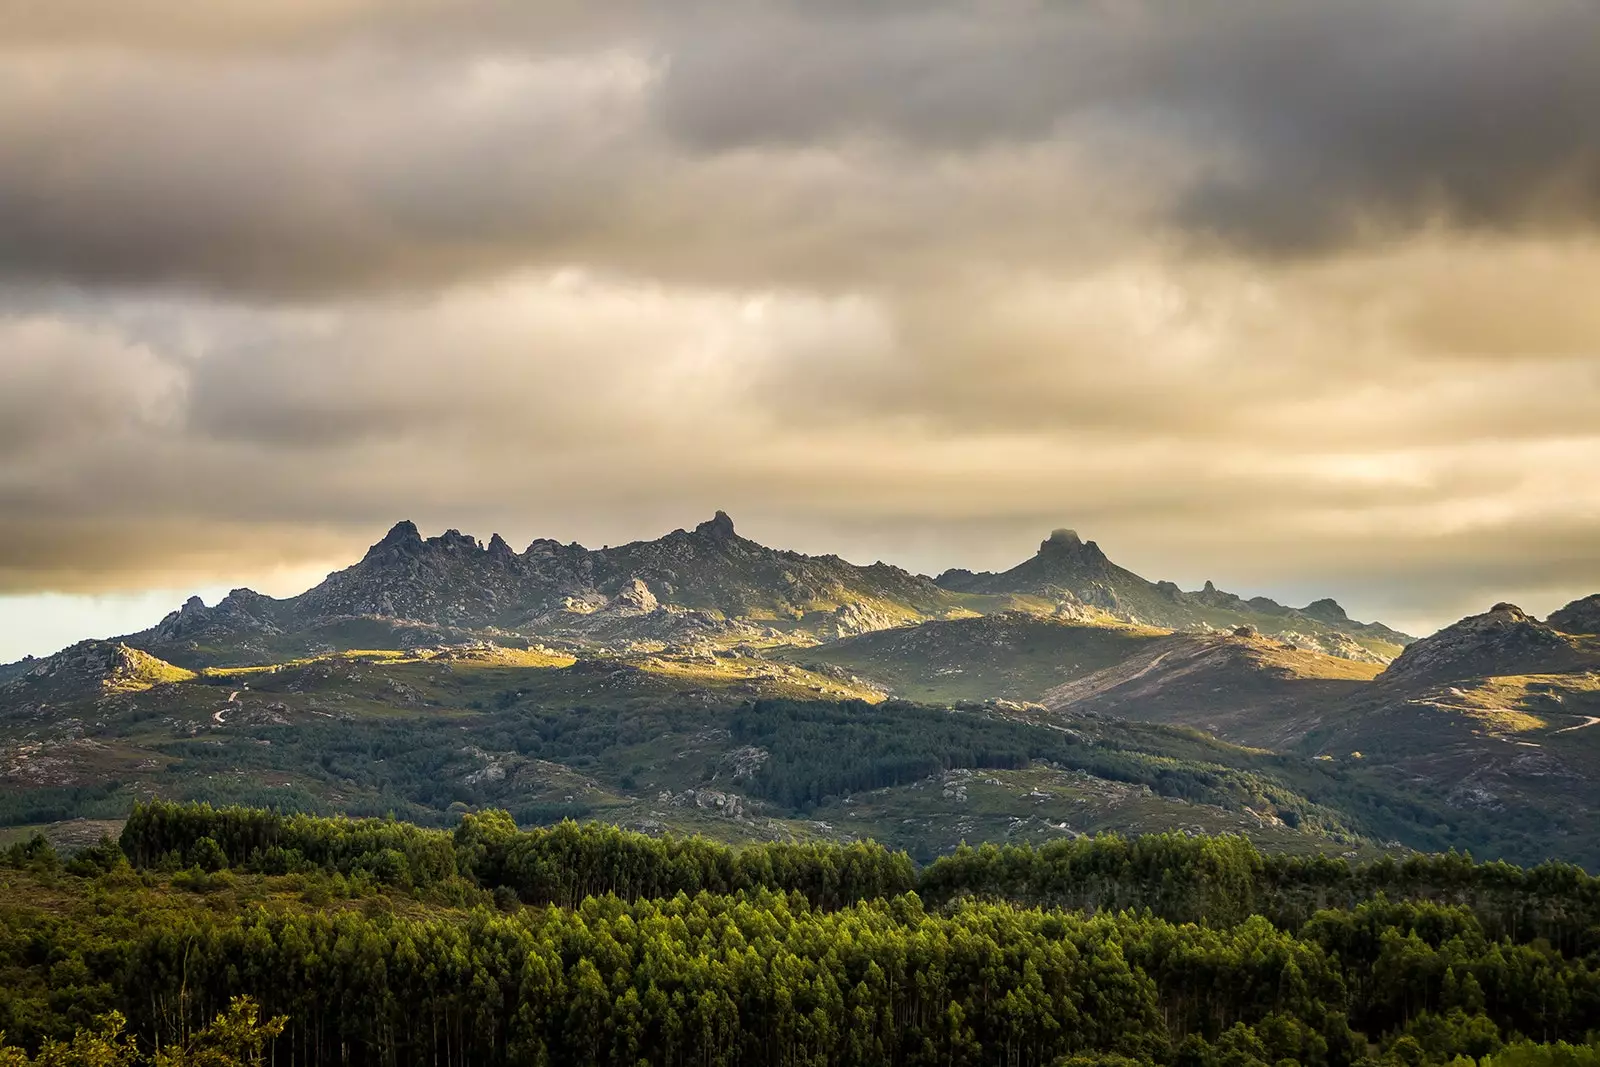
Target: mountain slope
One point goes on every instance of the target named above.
(712, 568)
(1077, 571)
(1489, 721)
(87, 670)
(1438, 751)
(1247, 689)
(742, 748)
(1502, 641)
(1009, 655)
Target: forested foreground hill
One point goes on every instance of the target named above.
(379, 942)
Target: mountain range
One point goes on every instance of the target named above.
(1065, 695)
(708, 583)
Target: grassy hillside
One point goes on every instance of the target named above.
(730, 745)
(1011, 655)
(1252, 690)
(654, 742)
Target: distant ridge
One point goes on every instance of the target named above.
(694, 588)
(1067, 567)
(680, 588)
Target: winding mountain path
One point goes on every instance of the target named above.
(1588, 720)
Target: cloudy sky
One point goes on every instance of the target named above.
(1300, 297)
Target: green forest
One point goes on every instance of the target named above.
(234, 935)
(818, 755)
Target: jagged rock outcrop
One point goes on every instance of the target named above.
(451, 580)
(409, 590)
(243, 611)
(852, 619)
(635, 598)
(680, 588)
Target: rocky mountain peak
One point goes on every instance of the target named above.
(455, 541)
(499, 549)
(1578, 617)
(1328, 610)
(402, 540)
(1066, 545)
(717, 528)
(404, 532)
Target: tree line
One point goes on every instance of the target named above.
(379, 943)
(1220, 880)
(767, 978)
(561, 864)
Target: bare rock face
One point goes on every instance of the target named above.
(1337, 644)
(1069, 607)
(635, 598)
(714, 801)
(852, 619)
(1578, 617)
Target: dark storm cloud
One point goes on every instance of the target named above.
(305, 174)
(353, 145)
(1316, 123)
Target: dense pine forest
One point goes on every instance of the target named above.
(237, 935)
